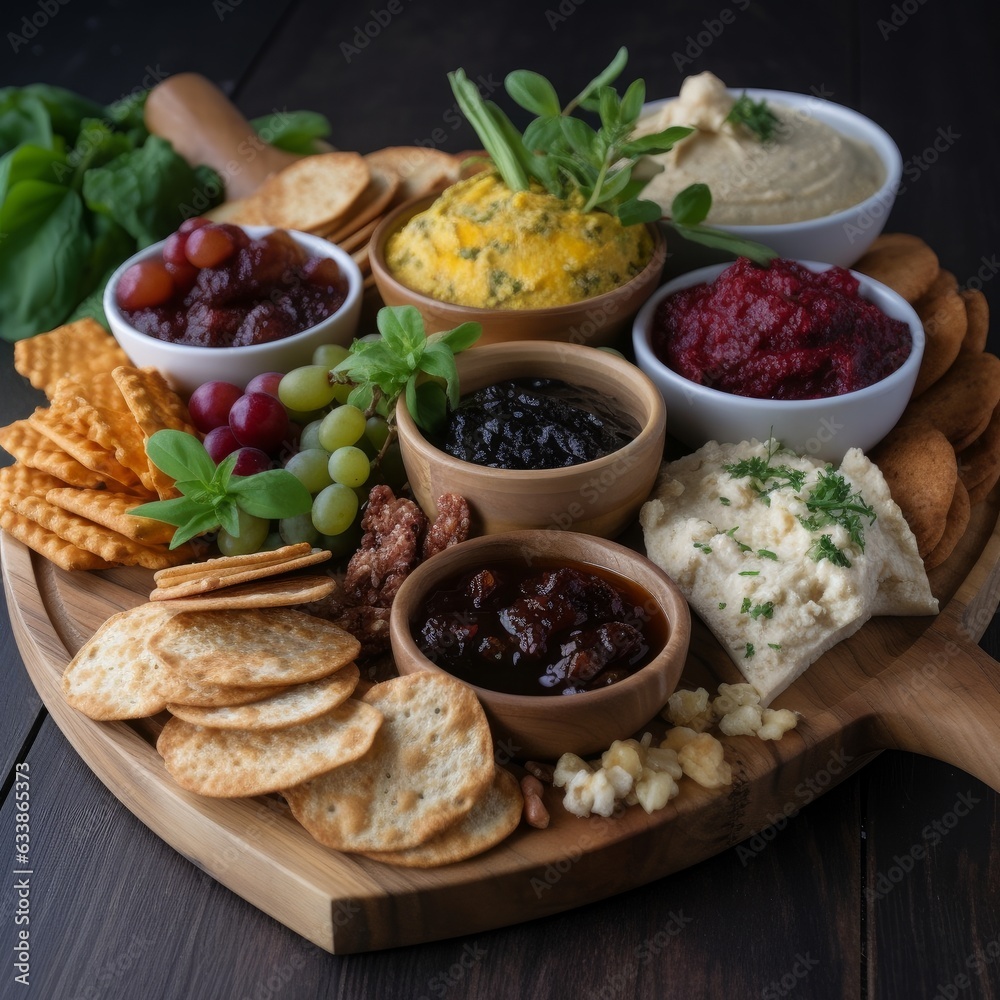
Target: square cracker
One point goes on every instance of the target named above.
(78, 348)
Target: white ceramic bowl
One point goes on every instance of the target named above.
(187, 366)
(822, 428)
(840, 238)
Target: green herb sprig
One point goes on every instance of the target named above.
(833, 500)
(211, 496)
(756, 116)
(766, 478)
(564, 153)
(406, 362)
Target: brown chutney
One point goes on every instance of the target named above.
(542, 628)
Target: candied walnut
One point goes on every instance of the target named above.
(393, 532)
(450, 527)
(369, 625)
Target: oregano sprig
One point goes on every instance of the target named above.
(564, 153)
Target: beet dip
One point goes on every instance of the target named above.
(781, 332)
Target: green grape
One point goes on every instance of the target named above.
(342, 426)
(341, 391)
(334, 509)
(298, 529)
(345, 544)
(252, 535)
(306, 388)
(329, 355)
(309, 467)
(309, 438)
(350, 466)
(272, 542)
(377, 430)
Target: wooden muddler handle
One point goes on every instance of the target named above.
(204, 126)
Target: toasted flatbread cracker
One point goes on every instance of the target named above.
(248, 647)
(292, 706)
(113, 511)
(77, 348)
(270, 593)
(494, 817)
(429, 764)
(220, 564)
(374, 200)
(421, 170)
(903, 262)
(219, 579)
(227, 763)
(313, 192)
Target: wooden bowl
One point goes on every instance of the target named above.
(599, 498)
(598, 321)
(544, 726)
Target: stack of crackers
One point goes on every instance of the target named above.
(342, 196)
(266, 700)
(81, 463)
(943, 456)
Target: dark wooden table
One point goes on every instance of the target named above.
(886, 886)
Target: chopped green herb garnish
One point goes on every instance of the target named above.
(824, 548)
(722, 605)
(833, 500)
(767, 554)
(774, 645)
(745, 606)
(749, 572)
(755, 116)
(724, 501)
(749, 651)
(703, 547)
(766, 478)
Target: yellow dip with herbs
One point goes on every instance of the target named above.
(482, 245)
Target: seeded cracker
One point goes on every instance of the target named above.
(236, 763)
(432, 760)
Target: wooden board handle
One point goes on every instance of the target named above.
(946, 705)
(204, 126)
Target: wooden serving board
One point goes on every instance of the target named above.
(918, 684)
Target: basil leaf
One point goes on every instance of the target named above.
(274, 493)
(294, 131)
(636, 211)
(632, 102)
(440, 362)
(432, 406)
(533, 92)
(198, 524)
(229, 517)
(402, 330)
(462, 337)
(608, 75)
(657, 142)
(542, 133)
(580, 136)
(180, 455)
(176, 511)
(609, 107)
(691, 205)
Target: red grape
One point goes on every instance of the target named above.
(265, 382)
(143, 285)
(220, 442)
(173, 248)
(259, 421)
(251, 460)
(195, 222)
(184, 276)
(210, 404)
(209, 246)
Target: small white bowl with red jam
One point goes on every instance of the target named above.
(218, 301)
(820, 358)
(515, 447)
(569, 641)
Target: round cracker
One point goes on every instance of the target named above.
(313, 192)
(494, 817)
(248, 647)
(977, 312)
(114, 675)
(421, 170)
(979, 463)
(944, 320)
(431, 761)
(226, 763)
(957, 521)
(369, 207)
(920, 468)
(291, 706)
(903, 262)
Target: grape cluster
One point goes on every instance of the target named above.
(301, 421)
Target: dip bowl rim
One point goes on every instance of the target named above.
(897, 384)
(212, 361)
(536, 720)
